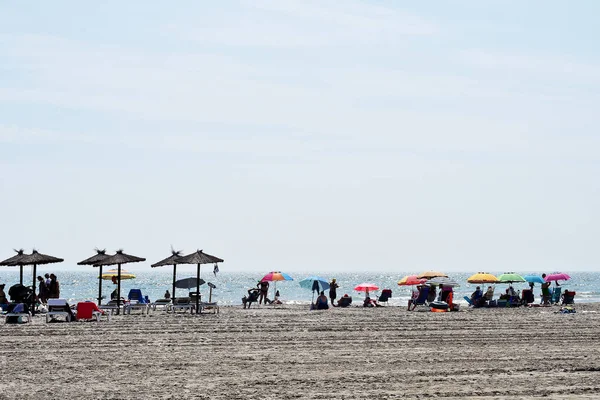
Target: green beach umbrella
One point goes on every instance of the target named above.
(510, 277)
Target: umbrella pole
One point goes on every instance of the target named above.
(119, 290)
(100, 286)
(198, 289)
(174, 279)
(33, 287)
(21, 275)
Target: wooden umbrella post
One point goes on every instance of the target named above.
(33, 287)
(198, 289)
(174, 279)
(119, 289)
(21, 274)
(100, 286)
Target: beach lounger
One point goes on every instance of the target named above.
(386, 294)
(89, 311)
(135, 305)
(556, 295)
(17, 312)
(59, 308)
(111, 306)
(182, 303)
(209, 306)
(136, 295)
(164, 303)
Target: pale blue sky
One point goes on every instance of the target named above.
(304, 136)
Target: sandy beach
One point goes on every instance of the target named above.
(292, 353)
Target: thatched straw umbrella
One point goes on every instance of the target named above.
(118, 259)
(172, 260)
(13, 262)
(198, 257)
(94, 260)
(36, 259)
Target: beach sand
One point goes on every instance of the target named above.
(292, 353)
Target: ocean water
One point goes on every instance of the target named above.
(230, 287)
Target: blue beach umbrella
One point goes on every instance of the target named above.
(314, 283)
(533, 278)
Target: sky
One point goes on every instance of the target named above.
(304, 135)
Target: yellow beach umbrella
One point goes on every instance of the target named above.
(108, 275)
(482, 277)
(431, 274)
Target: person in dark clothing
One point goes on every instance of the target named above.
(333, 290)
(42, 290)
(54, 288)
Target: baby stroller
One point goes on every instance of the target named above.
(20, 294)
(21, 298)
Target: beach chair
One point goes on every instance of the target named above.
(135, 305)
(345, 301)
(556, 295)
(59, 308)
(17, 312)
(423, 296)
(527, 296)
(136, 295)
(182, 303)
(251, 298)
(89, 311)
(386, 294)
(568, 297)
(164, 303)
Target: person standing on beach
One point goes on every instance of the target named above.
(47, 276)
(53, 288)
(333, 290)
(264, 290)
(42, 290)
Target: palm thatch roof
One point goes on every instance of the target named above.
(95, 259)
(37, 259)
(120, 258)
(173, 259)
(12, 261)
(198, 257)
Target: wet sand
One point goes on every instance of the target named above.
(293, 353)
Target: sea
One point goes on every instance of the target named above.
(81, 285)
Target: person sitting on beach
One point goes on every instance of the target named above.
(489, 294)
(511, 291)
(432, 294)
(476, 296)
(369, 302)
(321, 302)
(252, 297)
(167, 295)
(3, 299)
(413, 298)
(344, 301)
(275, 299)
(505, 295)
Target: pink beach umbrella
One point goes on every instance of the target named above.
(557, 276)
(366, 287)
